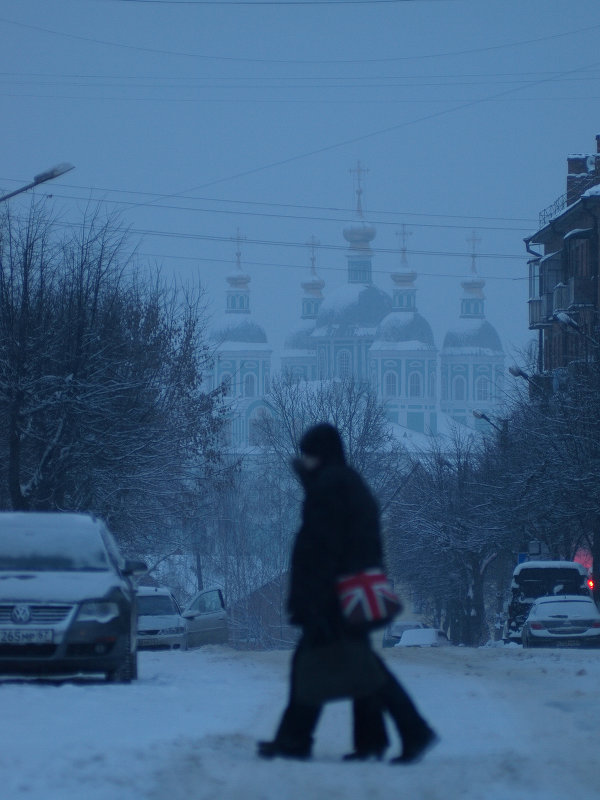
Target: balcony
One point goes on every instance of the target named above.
(541, 310)
(582, 291)
(561, 298)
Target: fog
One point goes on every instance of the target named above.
(194, 120)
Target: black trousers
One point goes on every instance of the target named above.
(299, 720)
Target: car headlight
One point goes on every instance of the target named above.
(167, 631)
(97, 611)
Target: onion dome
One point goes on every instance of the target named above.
(473, 336)
(353, 307)
(406, 327)
(238, 329)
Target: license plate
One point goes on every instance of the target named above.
(26, 636)
(148, 642)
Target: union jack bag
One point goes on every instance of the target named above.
(367, 599)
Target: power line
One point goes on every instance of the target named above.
(299, 217)
(347, 214)
(325, 268)
(240, 59)
(204, 237)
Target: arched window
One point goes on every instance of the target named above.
(322, 365)
(390, 384)
(432, 386)
(459, 388)
(415, 385)
(344, 364)
(482, 389)
(249, 386)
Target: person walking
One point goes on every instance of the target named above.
(339, 535)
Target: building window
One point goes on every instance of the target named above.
(432, 386)
(534, 280)
(322, 369)
(249, 386)
(415, 386)
(444, 387)
(344, 364)
(482, 390)
(579, 257)
(459, 387)
(390, 384)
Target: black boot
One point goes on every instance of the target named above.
(415, 749)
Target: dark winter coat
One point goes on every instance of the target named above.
(339, 535)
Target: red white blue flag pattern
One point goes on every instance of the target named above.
(367, 598)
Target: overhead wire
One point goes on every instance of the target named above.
(241, 59)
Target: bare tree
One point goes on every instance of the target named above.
(100, 377)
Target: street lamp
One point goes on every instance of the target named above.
(480, 415)
(567, 321)
(47, 175)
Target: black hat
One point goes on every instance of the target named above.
(324, 441)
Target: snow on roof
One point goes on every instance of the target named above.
(405, 326)
(73, 539)
(408, 346)
(244, 347)
(550, 565)
(238, 328)
(474, 335)
(578, 233)
(354, 304)
(550, 256)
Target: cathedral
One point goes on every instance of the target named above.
(371, 333)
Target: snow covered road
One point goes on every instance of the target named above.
(514, 725)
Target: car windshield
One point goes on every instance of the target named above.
(567, 608)
(52, 551)
(152, 605)
(536, 582)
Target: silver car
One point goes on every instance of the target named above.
(160, 624)
(562, 621)
(206, 619)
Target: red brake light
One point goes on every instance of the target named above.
(537, 626)
(590, 583)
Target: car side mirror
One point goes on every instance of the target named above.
(188, 614)
(134, 567)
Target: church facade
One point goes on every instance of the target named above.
(362, 331)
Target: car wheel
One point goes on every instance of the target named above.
(127, 670)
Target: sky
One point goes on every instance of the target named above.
(512, 723)
(195, 120)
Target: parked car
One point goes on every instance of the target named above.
(206, 619)
(423, 637)
(567, 621)
(393, 632)
(67, 602)
(160, 624)
(533, 579)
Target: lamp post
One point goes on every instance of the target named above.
(42, 177)
(480, 415)
(568, 322)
